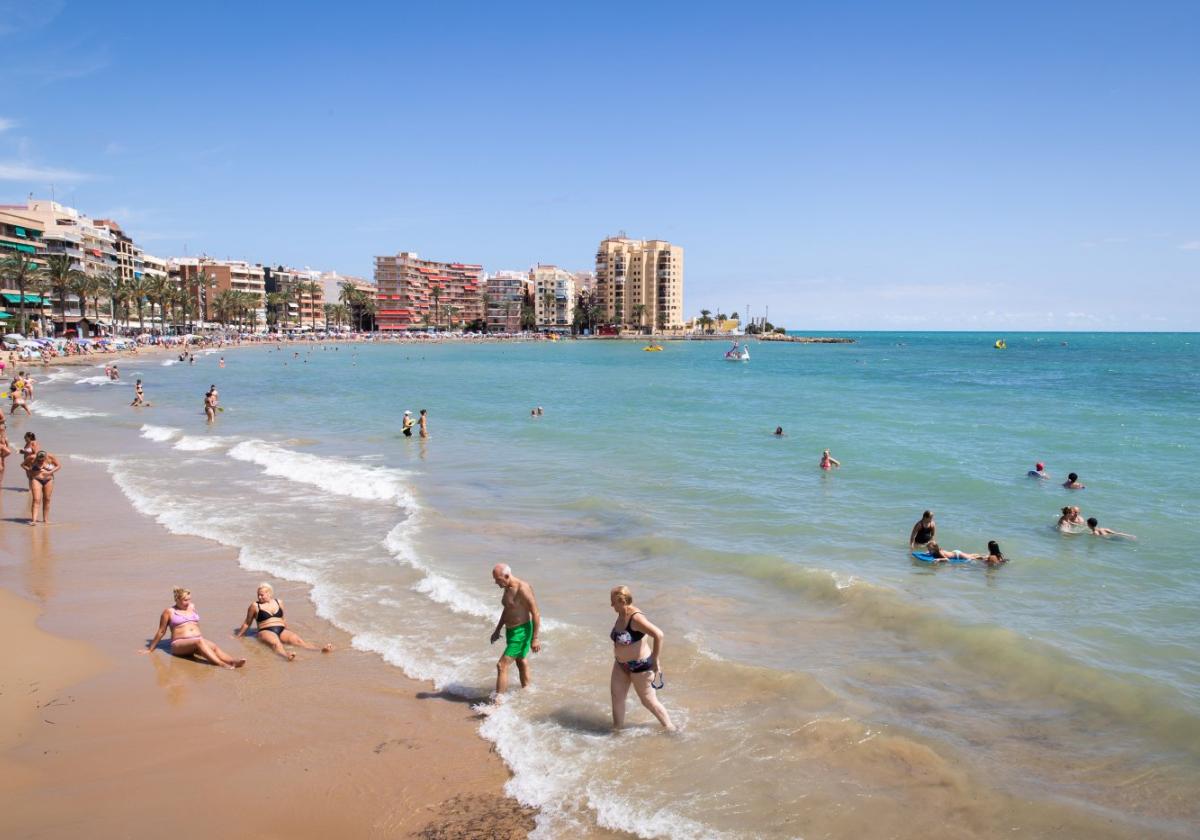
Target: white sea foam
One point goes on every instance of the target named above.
(436, 587)
(199, 443)
(159, 433)
(342, 478)
(95, 380)
(446, 674)
(169, 362)
(45, 409)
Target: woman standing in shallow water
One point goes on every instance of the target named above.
(41, 469)
(267, 610)
(632, 665)
(186, 640)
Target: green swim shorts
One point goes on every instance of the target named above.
(518, 638)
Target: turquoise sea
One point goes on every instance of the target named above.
(826, 684)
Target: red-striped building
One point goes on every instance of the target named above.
(415, 293)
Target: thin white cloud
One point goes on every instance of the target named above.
(6, 124)
(25, 172)
(1194, 245)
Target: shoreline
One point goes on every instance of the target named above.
(337, 744)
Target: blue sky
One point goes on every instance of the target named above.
(851, 165)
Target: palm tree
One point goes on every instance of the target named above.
(61, 274)
(198, 287)
(107, 286)
(548, 306)
(18, 271)
(137, 288)
(275, 302)
(437, 297)
(705, 321)
(159, 291)
(85, 286)
(451, 311)
(639, 312)
(248, 303)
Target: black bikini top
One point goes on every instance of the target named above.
(628, 636)
(263, 615)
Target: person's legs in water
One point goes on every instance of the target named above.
(649, 697)
(618, 686)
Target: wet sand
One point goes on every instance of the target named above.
(99, 739)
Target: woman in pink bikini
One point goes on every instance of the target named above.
(186, 640)
(828, 462)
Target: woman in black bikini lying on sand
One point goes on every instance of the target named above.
(267, 610)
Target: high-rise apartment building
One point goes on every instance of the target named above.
(505, 297)
(413, 292)
(640, 282)
(553, 296)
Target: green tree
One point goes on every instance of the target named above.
(138, 287)
(107, 288)
(276, 301)
(437, 298)
(18, 272)
(84, 286)
(639, 311)
(61, 273)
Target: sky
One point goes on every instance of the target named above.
(855, 165)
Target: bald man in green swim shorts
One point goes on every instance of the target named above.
(520, 621)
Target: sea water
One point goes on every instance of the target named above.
(825, 684)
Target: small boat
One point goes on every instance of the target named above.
(652, 348)
(1001, 344)
(737, 353)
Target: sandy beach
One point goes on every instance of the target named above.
(98, 738)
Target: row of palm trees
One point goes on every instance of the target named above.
(175, 302)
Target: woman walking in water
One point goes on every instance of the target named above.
(633, 664)
(210, 405)
(41, 469)
(186, 640)
(267, 610)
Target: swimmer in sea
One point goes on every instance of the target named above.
(1108, 533)
(139, 398)
(114, 374)
(1067, 521)
(210, 406)
(1072, 482)
(828, 462)
(1039, 471)
(633, 664)
(779, 431)
(994, 557)
(940, 556)
(521, 622)
(923, 532)
(408, 424)
(186, 640)
(273, 631)
(40, 468)
(222, 363)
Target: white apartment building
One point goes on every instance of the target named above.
(553, 296)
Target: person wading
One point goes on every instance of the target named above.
(520, 621)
